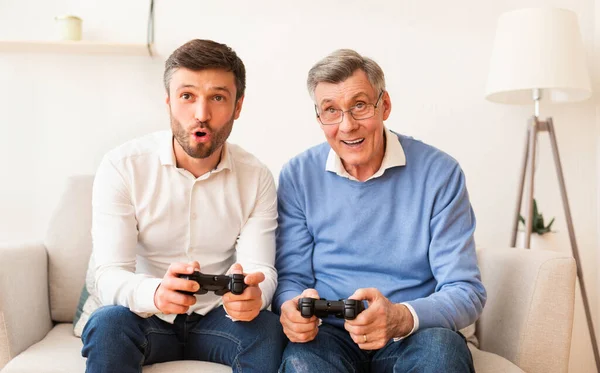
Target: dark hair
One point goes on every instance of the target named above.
(201, 54)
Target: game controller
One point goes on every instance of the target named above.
(219, 284)
(343, 309)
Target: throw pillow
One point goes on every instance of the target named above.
(88, 301)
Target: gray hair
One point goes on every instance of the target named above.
(339, 66)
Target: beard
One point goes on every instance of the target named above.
(201, 150)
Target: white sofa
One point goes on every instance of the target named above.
(526, 324)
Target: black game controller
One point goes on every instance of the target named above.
(220, 284)
(343, 309)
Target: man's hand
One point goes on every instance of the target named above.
(380, 322)
(246, 306)
(167, 298)
(297, 328)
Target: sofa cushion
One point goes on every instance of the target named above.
(486, 362)
(69, 244)
(469, 334)
(60, 351)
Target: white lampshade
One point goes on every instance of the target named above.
(538, 49)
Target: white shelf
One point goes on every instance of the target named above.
(74, 47)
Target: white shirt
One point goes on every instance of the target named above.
(394, 156)
(148, 213)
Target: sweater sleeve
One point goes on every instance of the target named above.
(459, 295)
(295, 243)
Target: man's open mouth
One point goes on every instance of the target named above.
(354, 142)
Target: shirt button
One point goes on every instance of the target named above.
(194, 216)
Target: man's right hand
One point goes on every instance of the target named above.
(167, 298)
(297, 328)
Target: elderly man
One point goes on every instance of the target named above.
(380, 217)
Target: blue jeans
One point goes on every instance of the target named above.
(117, 340)
(333, 351)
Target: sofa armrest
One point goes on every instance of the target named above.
(528, 318)
(24, 306)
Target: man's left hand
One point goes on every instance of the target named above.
(380, 322)
(246, 306)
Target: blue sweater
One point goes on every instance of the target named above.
(408, 233)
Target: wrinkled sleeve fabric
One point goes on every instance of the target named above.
(114, 237)
(294, 241)
(459, 295)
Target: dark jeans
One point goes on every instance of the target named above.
(117, 340)
(333, 351)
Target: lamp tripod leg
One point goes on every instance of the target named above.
(533, 126)
(513, 239)
(575, 251)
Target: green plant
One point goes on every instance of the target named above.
(538, 221)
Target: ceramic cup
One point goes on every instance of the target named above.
(68, 27)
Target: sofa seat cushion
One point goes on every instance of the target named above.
(60, 351)
(487, 362)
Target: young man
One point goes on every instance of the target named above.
(376, 216)
(178, 201)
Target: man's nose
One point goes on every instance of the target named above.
(202, 113)
(348, 123)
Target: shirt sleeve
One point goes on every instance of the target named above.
(294, 242)
(256, 243)
(114, 237)
(415, 322)
(459, 295)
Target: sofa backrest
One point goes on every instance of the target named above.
(528, 317)
(69, 244)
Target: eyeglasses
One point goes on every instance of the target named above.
(359, 111)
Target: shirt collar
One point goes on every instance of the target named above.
(167, 154)
(225, 163)
(394, 156)
(165, 149)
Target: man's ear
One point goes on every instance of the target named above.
(238, 107)
(386, 105)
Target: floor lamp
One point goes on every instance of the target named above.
(538, 56)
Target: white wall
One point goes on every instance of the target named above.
(59, 114)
